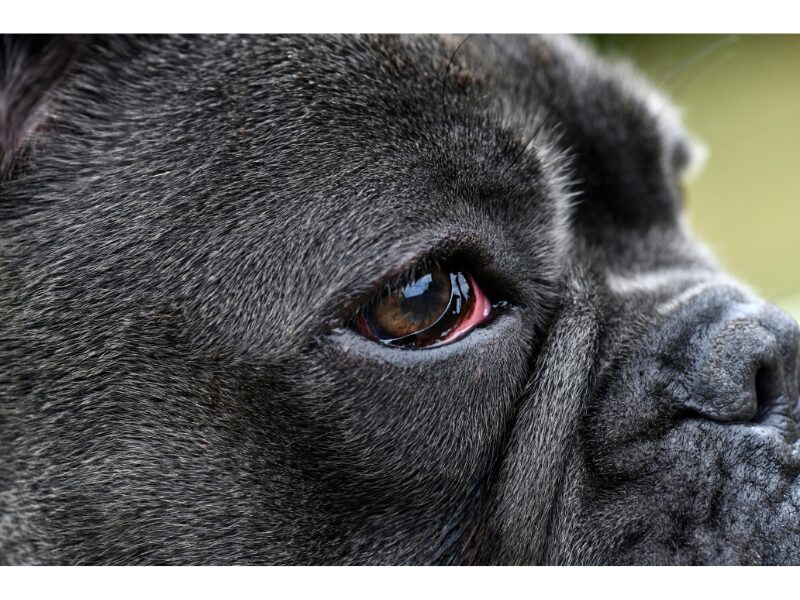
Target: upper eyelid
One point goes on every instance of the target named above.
(359, 295)
(485, 251)
(428, 262)
(447, 244)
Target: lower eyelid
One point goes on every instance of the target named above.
(492, 337)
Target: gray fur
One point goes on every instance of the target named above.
(189, 223)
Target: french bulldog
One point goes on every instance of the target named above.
(372, 300)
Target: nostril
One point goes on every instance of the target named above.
(747, 365)
(768, 387)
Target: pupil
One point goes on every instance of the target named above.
(424, 300)
(415, 307)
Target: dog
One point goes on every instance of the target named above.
(372, 300)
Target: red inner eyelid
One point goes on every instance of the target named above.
(481, 309)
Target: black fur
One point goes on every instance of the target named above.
(189, 223)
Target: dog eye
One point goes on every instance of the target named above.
(435, 309)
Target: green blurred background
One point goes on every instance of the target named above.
(740, 96)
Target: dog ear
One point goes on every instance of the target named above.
(31, 67)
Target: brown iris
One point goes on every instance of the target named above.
(436, 308)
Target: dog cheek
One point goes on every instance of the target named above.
(532, 476)
(412, 437)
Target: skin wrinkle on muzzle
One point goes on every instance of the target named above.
(547, 420)
(192, 226)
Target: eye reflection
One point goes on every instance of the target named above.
(435, 309)
(419, 287)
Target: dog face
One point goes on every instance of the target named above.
(372, 300)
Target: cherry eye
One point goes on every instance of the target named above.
(435, 309)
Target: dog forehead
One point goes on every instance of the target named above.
(244, 107)
(296, 159)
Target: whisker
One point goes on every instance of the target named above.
(445, 115)
(698, 74)
(687, 63)
(524, 149)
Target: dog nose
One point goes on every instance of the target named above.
(747, 368)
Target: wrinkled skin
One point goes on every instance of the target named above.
(189, 224)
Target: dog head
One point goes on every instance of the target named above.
(372, 300)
